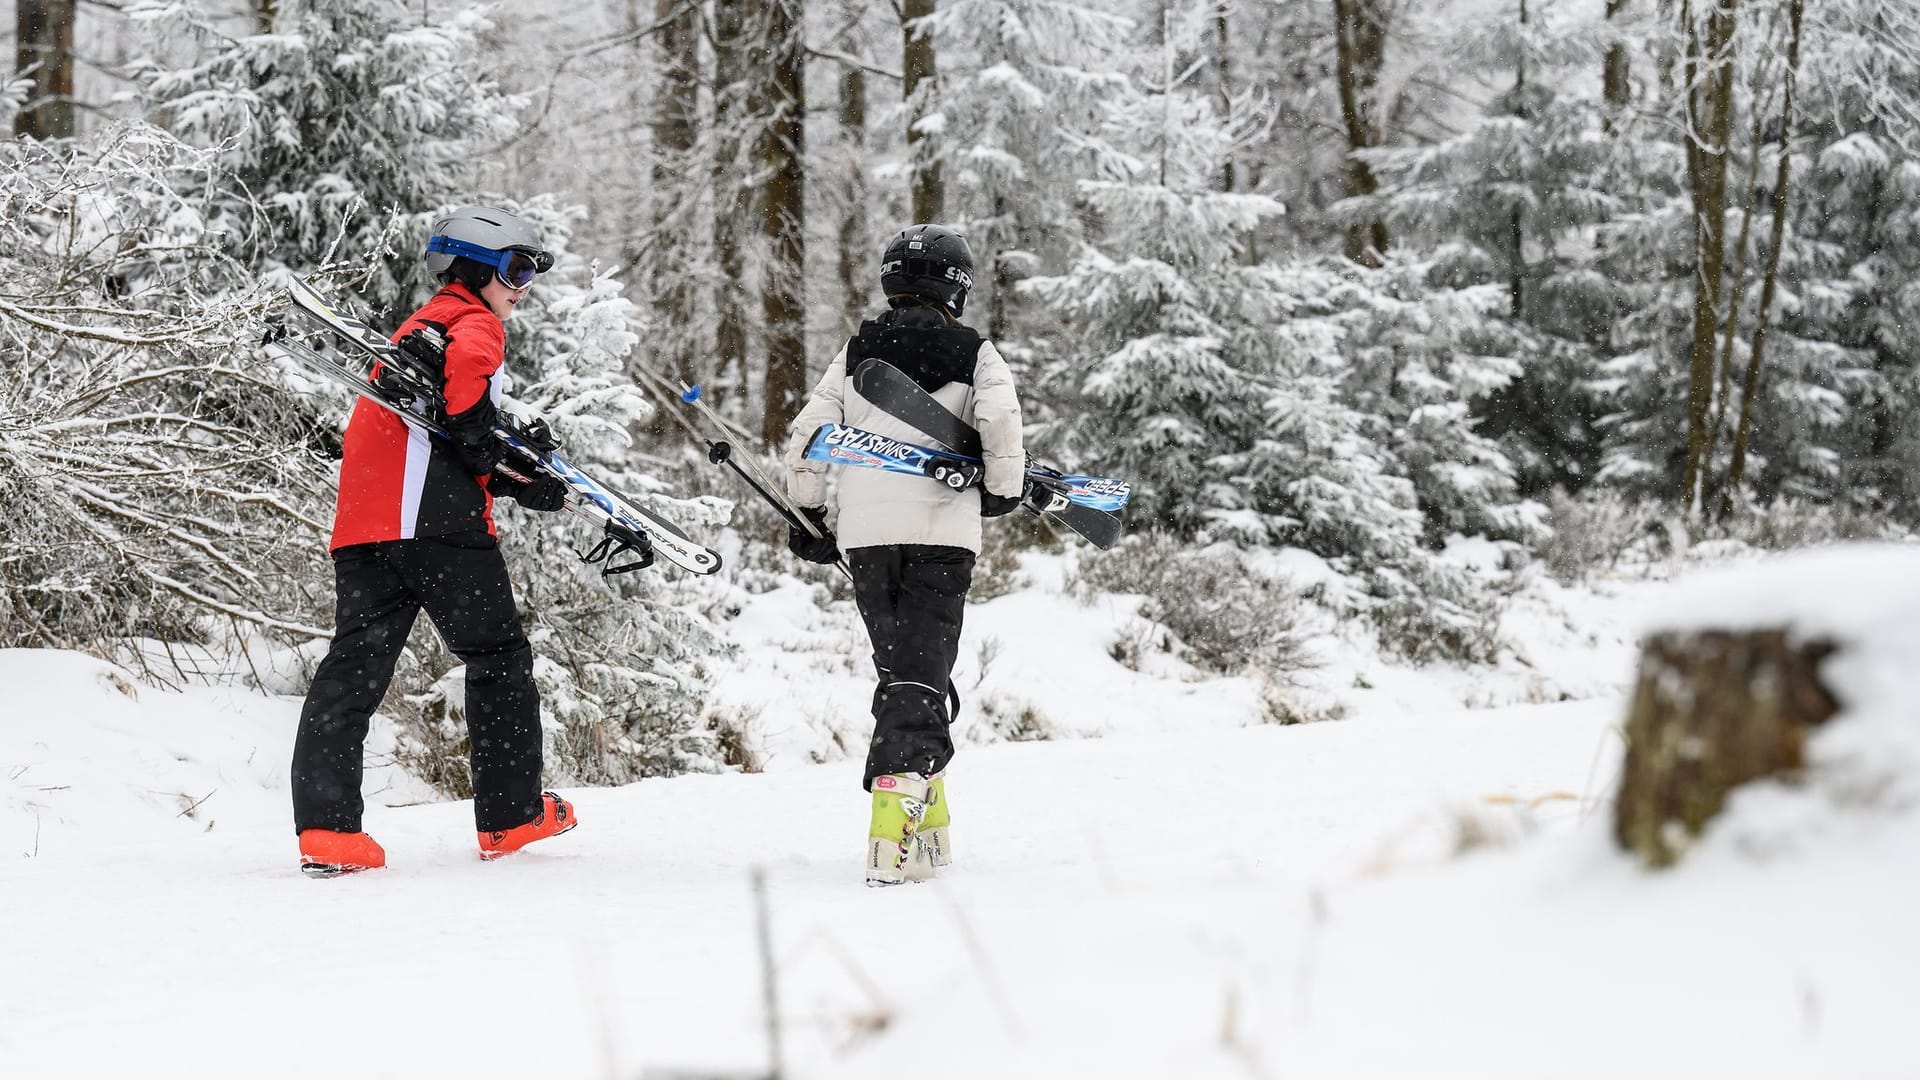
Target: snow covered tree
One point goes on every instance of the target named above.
(1222, 389)
(350, 111)
(1020, 104)
(669, 253)
(1163, 327)
(1512, 201)
(1360, 38)
(1420, 359)
(1812, 381)
(780, 148)
(920, 83)
(1859, 184)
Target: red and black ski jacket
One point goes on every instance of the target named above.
(397, 481)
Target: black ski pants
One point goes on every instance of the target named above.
(462, 582)
(912, 597)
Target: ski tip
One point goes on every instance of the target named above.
(690, 395)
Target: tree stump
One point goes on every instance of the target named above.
(1712, 710)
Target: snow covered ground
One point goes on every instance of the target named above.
(1421, 890)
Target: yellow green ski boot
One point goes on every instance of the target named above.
(933, 827)
(895, 851)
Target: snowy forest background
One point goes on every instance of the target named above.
(1341, 278)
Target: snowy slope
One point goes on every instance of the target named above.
(1417, 891)
(92, 758)
(1109, 885)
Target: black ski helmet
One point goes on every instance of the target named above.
(928, 261)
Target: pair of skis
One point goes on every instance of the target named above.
(347, 351)
(1088, 505)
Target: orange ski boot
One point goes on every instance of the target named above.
(325, 853)
(554, 818)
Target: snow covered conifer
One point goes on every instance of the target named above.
(351, 110)
(1509, 203)
(1021, 99)
(1221, 388)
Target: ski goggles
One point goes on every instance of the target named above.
(515, 267)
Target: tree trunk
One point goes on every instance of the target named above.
(857, 257)
(1517, 222)
(1709, 109)
(922, 86)
(1712, 711)
(264, 12)
(1782, 178)
(731, 204)
(781, 153)
(1360, 46)
(1731, 334)
(1004, 235)
(1222, 9)
(43, 55)
(671, 268)
(1616, 77)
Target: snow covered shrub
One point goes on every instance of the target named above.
(1792, 523)
(1603, 529)
(997, 571)
(1591, 531)
(1467, 631)
(152, 481)
(1227, 615)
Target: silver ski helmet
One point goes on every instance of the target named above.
(928, 261)
(494, 240)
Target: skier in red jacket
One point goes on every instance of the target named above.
(413, 529)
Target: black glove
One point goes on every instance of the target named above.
(992, 505)
(543, 493)
(820, 549)
(1043, 496)
(534, 432)
(473, 440)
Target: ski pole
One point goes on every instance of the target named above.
(721, 453)
(767, 489)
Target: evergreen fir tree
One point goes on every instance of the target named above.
(1510, 204)
(1221, 388)
(351, 111)
(1020, 104)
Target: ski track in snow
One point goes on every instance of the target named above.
(1190, 898)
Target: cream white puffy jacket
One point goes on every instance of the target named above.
(889, 508)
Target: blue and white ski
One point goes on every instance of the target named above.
(898, 396)
(838, 444)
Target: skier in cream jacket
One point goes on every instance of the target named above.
(909, 541)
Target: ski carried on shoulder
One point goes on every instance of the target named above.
(338, 347)
(889, 389)
(840, 444)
